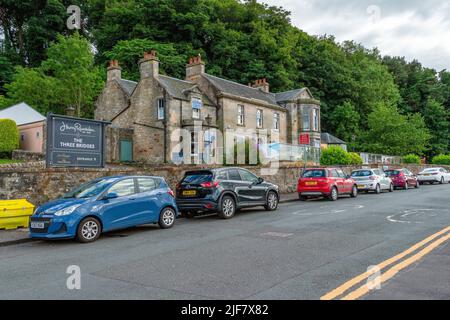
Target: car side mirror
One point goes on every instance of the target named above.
(111, 195)
(258, 181)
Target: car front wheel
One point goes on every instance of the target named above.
(391, 188)
(442, 181)
(378, 189)
(167, 218)
(406, 187)
(227, 207)
(272, 201)
(88, 230)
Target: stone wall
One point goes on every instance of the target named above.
(26, 156)
(38, 184)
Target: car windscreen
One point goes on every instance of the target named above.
(90, 189)
(197, 177)
(362, 173)
(317, 173)
(392, 172)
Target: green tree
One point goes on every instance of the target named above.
(391, 133)
(345, 123)
(436, 119)
(68, 78)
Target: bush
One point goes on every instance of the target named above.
(335, 155)
(443, 159)
(355, 159)
(411, 159)
(9, 136)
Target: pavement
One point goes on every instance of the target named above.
(304, 250)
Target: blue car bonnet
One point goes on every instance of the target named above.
(59, 204)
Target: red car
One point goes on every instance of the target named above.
(326, 182)
(402, 178)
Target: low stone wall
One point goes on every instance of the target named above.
(38, 184)
(27, 156)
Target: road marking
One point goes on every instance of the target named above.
(364, 289)
(407, 213)
(349, 284)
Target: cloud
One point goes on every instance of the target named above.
(413, 29)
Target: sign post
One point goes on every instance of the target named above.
(75, 142)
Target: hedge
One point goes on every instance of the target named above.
(443, 159)
(355, 158)
(9, 136)
(335, 155)
(411, 159)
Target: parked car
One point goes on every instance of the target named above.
(403, 178)
(224, 190)
(326, 182)
(105, 204)
(434, 175)
(372, 180)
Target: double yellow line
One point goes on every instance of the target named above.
(430, 244)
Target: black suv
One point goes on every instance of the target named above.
(224, 190)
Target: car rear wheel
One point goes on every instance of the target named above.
(417, 186)
(334, 195)
(442, 181)
(88, 230)
(272, 201)
(227, 207)
(378, 189)
(406, 187)
(391, 188)
(167, 218)
(354, 193)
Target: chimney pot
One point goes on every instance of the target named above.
(195, 68)
(262, 84)
(149, 65)
(114, 71)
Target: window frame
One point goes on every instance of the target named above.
(196, 112)
(241, 115)
(259, 118)
(160, 105)
(276, 121)
(194, 144)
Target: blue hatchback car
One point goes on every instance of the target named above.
(103, 205)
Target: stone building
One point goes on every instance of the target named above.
(147, 115)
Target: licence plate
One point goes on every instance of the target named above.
(189, 193)
(37, 225)
(361, 186)
(426, 174)
(311, 183)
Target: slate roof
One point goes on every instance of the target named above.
(128, 86)
(178, 88)
(22, 114)
(240, 90)
(288, 95)
(330, 139)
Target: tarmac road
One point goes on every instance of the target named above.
(304, 250)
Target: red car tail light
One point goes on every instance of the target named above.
(178, 186)
(372, 178)
(209, 184)
(171, 193)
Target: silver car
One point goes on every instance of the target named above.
(372, 180)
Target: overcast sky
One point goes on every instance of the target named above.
(410, 28)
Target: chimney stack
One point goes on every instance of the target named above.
(195, 68)
(262, 84)
(149, 65)
(114, 71)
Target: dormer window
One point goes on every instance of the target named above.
(196, 108)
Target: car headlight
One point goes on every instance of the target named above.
(67, 211)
